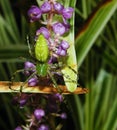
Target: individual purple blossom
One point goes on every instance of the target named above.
(39, 113)
(22, 102)
(43, 127)
(18, 128)
(61, 51)
(59, 28)
(65, 45)
(44, 31)
(67, 25)
(58, 97)
(45, 7)
(63, 115)
(34, 13)
(29, 67)
(58, 7)
(67, 12)
(33, 81)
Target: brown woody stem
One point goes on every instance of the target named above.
(7, 87)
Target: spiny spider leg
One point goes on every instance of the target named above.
(54, 81)
(29, 47)
(26, 81)
(13, 77)
(58, 67)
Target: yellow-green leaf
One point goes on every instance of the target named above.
(70, 70)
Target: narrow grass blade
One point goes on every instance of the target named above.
(88, 35)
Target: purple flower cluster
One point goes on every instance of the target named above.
(35, 12)
(41, 111)
(21, 101)
(53, 7)
(45, 106)
(54, 29)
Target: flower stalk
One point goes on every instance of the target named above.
(52, 71)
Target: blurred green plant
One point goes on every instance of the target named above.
(96, 49)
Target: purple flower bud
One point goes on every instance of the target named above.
(61, 52)
(58, 7)
(67, 12)
(59, 28)
(29, 64)
(39, 113)
(63, 115)
(65, 45)
(22, 102)
(59, 97)
(43, 127)
(34, 13)
(18, 128)
(44, 31)
(67, 26)
(29, 67)
(33, 81)
(45, 7)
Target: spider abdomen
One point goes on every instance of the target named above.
(41, 49)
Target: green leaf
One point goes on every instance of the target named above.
(70, 70)
(88, 35)
(12, 53)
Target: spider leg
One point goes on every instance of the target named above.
(29, 47)
(54, 82)
(13, 77)
(58, 70)
(26, 81)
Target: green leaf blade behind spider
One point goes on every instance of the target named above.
(70, 69)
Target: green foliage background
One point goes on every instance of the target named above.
(96, 49)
